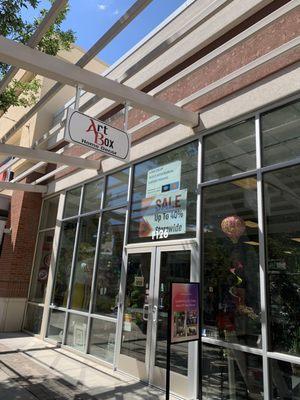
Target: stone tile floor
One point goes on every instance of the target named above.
(31, 369)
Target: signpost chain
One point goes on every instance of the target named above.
(77, 96)
(126, 109)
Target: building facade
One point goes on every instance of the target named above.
(215, 205)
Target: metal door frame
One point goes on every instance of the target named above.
(155, 249)
(194, 277)
(127, 251)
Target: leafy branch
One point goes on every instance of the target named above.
(25, 93)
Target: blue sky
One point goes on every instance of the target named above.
(91, 18)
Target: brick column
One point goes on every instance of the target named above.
(16, 258)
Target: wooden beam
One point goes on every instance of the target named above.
(24, 187)
(51, 67)
(48, 156)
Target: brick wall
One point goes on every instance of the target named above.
(18, 248)
(274, 35)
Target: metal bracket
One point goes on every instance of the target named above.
(77, 96)
(126, 109)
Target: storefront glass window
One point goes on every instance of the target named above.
(64, 263)
(49, 213)
(281, 134)
(102, 340)
(83, 273)
(230, 151)
(56, 325)
(33, 319)
(281, 194)
(77, 331)
(231, 374)
(231, 263)
(164, 196)
(92, 196)
(285, 378)
(41, 266)
(117, 188)
(109, 262)
(72, 202)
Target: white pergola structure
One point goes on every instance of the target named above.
(26, 57)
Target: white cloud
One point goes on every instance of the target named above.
(117, 11)
(102, 7)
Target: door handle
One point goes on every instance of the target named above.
(145, 309)
(154, 312)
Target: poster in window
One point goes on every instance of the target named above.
(163, 179)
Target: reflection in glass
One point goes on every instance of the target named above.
(41, 266)
(49, 213)
(72, 202)
(33, 319)
(175, 267)
(83, 272)
(56, 325)
(136, 306)
(230, 151)
(281, 134)
(116, 189)
(102, 339)
(231, 263)
(282, 207)
(109, 262)
(285, 378)
(64, 263)
(92, 196)
(165, 185)
(76, 332)
(230, 374)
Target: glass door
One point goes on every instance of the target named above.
(145, 315)
(137, 309)
(173, 264)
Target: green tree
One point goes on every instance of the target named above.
(15, 27)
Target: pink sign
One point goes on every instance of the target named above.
(185, 312)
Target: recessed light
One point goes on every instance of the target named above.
(251, 224)
(246, 183)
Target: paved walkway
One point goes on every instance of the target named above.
(31, 369)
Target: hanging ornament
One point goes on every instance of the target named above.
(233, 227)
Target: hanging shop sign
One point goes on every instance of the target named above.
(164, 215)
(185, 312)
(97, 135)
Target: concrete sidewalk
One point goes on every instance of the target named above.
(31, 369)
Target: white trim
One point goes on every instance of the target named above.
(51, 67)
(49, 156)
(246, 34)
(25, 187)
(273, 54)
